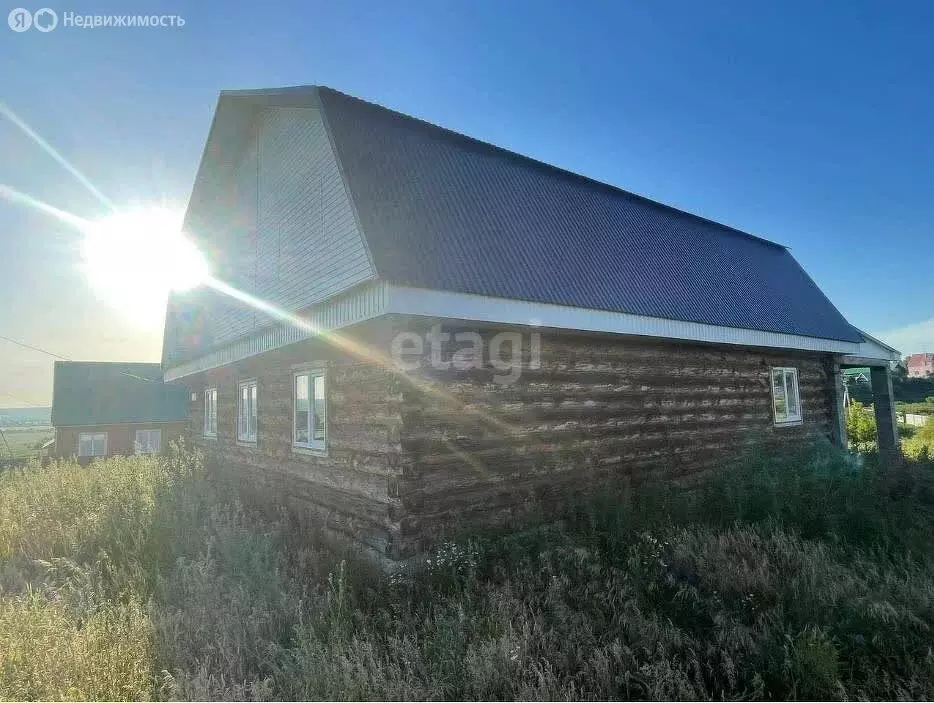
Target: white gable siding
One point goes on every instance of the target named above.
(234, 260)
(283, 231)
(308, 244)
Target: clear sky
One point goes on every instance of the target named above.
(811, 124)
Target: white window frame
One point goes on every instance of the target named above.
(210, 418)
(790, 386)
(149, 447)
(93, 437)
(313, 445)
(248, 421)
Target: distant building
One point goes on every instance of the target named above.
(920, 365)
(859, 374)
(102, 409)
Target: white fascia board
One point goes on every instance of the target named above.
(872, 348)
(381, 298)
(479, 308)
(364, 303)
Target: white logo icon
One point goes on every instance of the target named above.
(20, 20)
(45, 20)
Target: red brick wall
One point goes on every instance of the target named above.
(920, 365)
(120, 438)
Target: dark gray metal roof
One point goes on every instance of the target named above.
(443, 211)
(108, 393)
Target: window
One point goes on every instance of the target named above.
(92, 444)
(246, 412)
(786, 401)
(310, 414)
(210, 412)
(148, 441)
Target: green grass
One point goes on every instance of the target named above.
(24, 442)
(804, 577)
(925, 408)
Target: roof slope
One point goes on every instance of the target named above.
(104, 393)
(443, 211)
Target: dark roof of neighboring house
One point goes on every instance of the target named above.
(104, 393)
(858, 371)
(440, 210)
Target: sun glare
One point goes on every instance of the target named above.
(134, 258)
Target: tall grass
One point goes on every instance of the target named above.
(803, 577)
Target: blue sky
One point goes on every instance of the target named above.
(805, 123)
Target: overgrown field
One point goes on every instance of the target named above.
(797, 578)
(24, 442)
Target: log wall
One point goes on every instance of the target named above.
(351, 490)
(411, 455)
(597, 412)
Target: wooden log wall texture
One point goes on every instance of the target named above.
(351, 492)
(597, 412)
(412, 455)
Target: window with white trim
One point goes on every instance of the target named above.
(210, 412)
(148, 442)
(92, 444)
(786, 400)
(310, 410)
(246, 412)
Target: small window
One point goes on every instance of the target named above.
(310, 410)
(92, 444)
(786, 401)
(210, 412)
(148, 442)
(246, 412)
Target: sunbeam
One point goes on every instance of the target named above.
(362, 352)
(112, 248)
(16, 197)
(51, 151)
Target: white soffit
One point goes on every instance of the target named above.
(381, 298)
(465, 306)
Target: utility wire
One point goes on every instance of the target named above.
(65, 358)
(22, 402)
(7, 445)
(29, 346)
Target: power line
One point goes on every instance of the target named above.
(7, 445)
(22, 402)
(29, 346)
(65, 358)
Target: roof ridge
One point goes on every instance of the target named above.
(523, 158)
(446, 211)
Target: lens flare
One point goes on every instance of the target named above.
(134, 258)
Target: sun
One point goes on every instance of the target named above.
(134, 258)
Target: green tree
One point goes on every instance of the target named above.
(860, 427)
(921, 445)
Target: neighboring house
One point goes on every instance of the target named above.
(859, 374)
(423, 329)
(857, 385)
(102, 409)
(920, 365)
